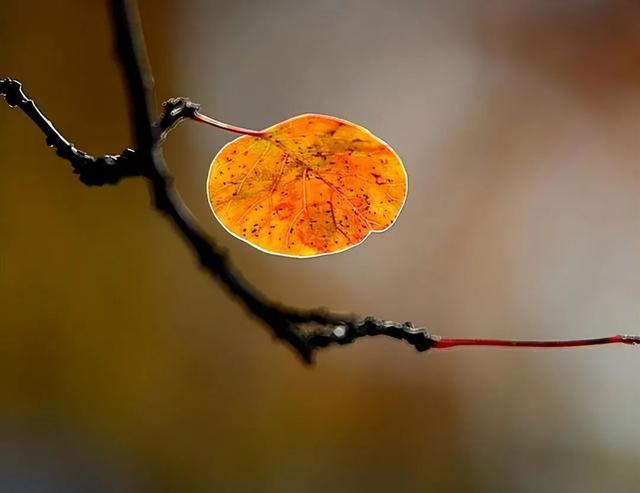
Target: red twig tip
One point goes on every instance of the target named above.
(446, 343)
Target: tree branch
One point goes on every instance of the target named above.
(304, 330)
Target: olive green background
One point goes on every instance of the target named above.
(124, 368)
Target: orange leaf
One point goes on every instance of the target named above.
(311, 185)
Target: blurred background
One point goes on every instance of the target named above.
(124, 368)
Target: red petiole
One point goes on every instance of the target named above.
(226, 126)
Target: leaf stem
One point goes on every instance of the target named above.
(199, 117)
(445, 343)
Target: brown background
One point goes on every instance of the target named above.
(123, 368)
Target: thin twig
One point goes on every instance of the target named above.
(304, 330)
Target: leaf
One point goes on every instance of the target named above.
(308, 186)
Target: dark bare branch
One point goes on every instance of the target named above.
(304, 330)
(91, 170)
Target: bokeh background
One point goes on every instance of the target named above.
(124, 368)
